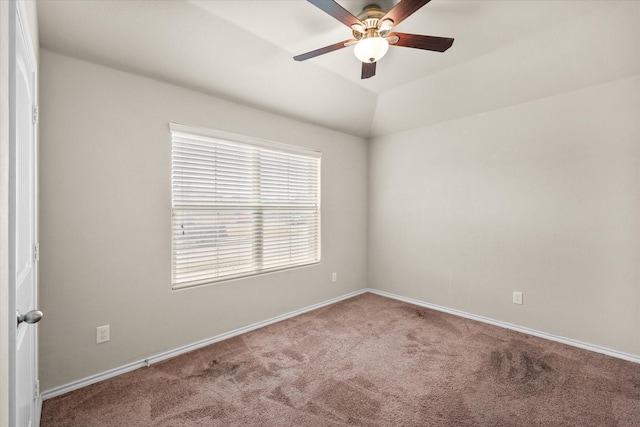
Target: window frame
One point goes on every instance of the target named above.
(259, 210)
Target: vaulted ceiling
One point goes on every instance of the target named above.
(242, 50)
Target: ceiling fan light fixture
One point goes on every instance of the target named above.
(371, 49)
(372, 34)
(386, 25)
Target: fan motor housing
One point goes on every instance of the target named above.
(370, 16)
(371, 11)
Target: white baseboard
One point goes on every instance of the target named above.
(551, 337)
(75, 385)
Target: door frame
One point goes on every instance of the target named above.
(15, 15)
(4, 214)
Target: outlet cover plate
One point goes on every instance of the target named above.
(103, 334)
(517, 297)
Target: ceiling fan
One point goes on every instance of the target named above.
(372, 32)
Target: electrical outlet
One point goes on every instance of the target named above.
(517, 297)
(102, 334)
(334, 277)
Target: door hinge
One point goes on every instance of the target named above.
(36, 114)
(36, 389)
(36, 252)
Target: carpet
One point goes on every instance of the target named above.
(366, 361)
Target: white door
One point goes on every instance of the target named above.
(22, 217)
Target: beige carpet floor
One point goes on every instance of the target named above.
(366, 361)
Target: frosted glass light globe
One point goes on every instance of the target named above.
(371, 49)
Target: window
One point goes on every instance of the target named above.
(240, 206)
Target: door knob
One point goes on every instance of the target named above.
(33, 316)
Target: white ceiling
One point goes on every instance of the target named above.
(242, 49)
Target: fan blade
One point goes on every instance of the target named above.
(368, 70)
(438, 44)
(402, 10)
(321, 51)
(337, 11)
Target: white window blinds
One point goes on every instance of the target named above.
(240, 206)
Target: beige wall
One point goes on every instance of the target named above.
(105, 220)
(541, 197)
(520, 172)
